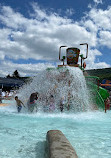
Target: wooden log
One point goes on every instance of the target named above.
(59, 146)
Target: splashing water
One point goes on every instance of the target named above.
(24, 135)
(65, 83)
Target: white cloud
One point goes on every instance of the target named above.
(97, 65)
(105, 38)
(70, 12)
(90, 25)
(101, 18)
(23, 69)
(12, 19)
(98, 1)
(100, 25)
(92, 55)
(40, 36)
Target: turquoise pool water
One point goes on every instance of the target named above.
(24, 135)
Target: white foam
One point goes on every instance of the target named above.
(56, 82)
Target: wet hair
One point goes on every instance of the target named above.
(16, 97)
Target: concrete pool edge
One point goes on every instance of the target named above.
(59, 146)
(4, 104)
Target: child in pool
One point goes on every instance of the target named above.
(107, 103)
(52, 105)
(31, 102)
(46, 105)
(19, 104)
(61, 104)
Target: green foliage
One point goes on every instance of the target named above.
(101, 73)
(8, 76)
(15, 74)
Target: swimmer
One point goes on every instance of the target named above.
(52, 105)
(46, 106)
(69, 100)
(0, 95)
(19, 104)
(31, 102)
(107, 102)
(61, 104)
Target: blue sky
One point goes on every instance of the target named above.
(31, 33)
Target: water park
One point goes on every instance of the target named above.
(66, 113)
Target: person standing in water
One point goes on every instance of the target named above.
(61, 104)
(19, 104)
(52, 103)
(0, 95)
(31, 102)
(107, 102)
(46, 105)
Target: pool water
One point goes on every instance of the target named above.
(24, 135)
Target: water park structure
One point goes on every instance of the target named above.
(58, 145)
(98, 94)
(80, 126)
(72, 55)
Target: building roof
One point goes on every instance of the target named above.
(10, 82)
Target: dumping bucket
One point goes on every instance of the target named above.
(72, 56)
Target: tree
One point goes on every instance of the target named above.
(15, 74)
(8, 76)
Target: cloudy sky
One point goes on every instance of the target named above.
(31, 32)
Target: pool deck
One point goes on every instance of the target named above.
(4, 104)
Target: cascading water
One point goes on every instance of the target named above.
(24, 134)
(67, 83)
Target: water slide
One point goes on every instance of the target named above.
(98, 94)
